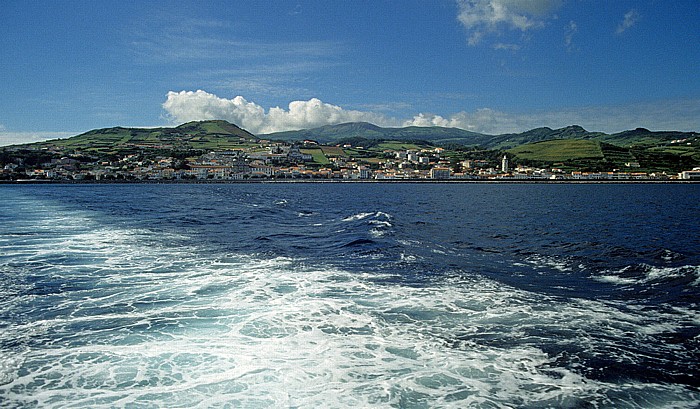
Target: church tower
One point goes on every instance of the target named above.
(504, 164)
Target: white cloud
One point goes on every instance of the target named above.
(184, 106)
(187, 106)
(428, 120)
(677, 115)
(481, 17)
(504, 46)
(483, 120)
(631, 18)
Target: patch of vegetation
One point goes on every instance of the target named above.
(570, 148)
(595, 156)
(671, 159)
(218, 135)
(333, 151)
(317, 155)
(397, 146)
(559, 150)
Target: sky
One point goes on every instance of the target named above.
(490, 66)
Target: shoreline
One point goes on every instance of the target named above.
(322, 181)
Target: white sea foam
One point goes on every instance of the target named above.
(376, 216)
(558, 263)
(613, 279)
(271, 332)
(166, 326)
(379, 221)
(358, 216)
(647, 274)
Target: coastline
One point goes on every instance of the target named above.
(322, 181)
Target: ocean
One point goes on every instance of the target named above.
(335, 295)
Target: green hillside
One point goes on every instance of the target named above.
(218, 134)
(192, 135)
(571, 146)
(597, 155)
(333, 134)
(645, 137)
(559, 150)
(507, 141)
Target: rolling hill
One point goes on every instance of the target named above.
(219, 134)
(584, 154)
(574, 145)
(191, 135)
(506, 141)
(559, 150)
(332, 134)
(645, 137)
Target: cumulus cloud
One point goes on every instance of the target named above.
(481, 17)
(428, 120)
(680, 115)
(200, 105)
(184, 106)
(483, 120)
(631, 18)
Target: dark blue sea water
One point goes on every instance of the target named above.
(350, 295)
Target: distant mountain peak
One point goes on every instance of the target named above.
(218, 122)
(577, 128)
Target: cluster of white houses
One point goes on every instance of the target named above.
(227, 166)
(289, 162)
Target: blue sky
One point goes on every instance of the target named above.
(490, 66)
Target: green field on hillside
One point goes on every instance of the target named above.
(558, 150)
(317, 154)
(334, 151)
(571, 148)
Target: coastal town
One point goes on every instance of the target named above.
(301, 161)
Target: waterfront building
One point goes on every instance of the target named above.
(690, 174)
(440, 173)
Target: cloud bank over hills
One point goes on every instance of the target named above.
(200, 105)
(185, 106)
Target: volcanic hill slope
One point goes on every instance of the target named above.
(192, 135)
(571, 145)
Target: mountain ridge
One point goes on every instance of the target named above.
(572, 146)
(330, 134)
(199, 134)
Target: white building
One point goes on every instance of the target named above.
(690, 174)
(440, 173)
(365, 172)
